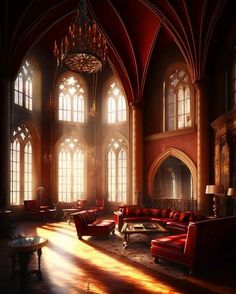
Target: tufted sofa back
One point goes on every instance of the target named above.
(83, 218)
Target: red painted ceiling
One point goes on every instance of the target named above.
(132, 29)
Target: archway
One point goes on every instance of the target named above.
(172, 180)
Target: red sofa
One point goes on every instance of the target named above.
(34, 211)
(206, 242)
(176, 222)
(87, 224)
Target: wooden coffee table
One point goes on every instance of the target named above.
(147, 228)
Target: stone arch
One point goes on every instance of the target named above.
(162, 157)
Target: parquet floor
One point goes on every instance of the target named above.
(73, 266)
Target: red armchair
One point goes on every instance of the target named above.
(99, 206)
(33, 210)
(87, 224)
(81, 204)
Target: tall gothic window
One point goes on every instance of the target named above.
(21, 165)
(23, 95)
(116, 104)
(71, 165)
(177, 100)
(71, 99)
(117, 170)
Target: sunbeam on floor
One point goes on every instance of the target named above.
(74, 264)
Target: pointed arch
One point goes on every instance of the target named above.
(162, 157)
(22, 162)
(70, 154)
(115, 151)
(71, 92)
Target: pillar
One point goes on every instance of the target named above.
(203, 147)
(137, 153)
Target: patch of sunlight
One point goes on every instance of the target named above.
(58, 241)
(61, 230)
(67, 273)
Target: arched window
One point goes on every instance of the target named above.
(71, 99)
(23, 95)
(177, 100)
(116, 104)
(117, 170)
(71, 166)
(21, 165)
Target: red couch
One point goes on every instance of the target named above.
(87, 224)
(205, 243)
(176, 222)
(34, 211)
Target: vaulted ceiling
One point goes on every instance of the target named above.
(132, 28)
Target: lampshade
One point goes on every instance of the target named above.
(231, 192)
(211, 189)
(215, 189)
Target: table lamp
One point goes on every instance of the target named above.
(231, 192)
(215, 190)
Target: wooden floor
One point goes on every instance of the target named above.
(73, 266)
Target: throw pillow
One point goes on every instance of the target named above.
(183, 217)
(171, 214)
(176, 215)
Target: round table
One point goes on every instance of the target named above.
(22, 248)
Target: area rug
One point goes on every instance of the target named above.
(138, 251)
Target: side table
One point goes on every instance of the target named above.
(22, 249)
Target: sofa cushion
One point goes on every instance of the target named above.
(156, 212)
(138, 211)
(174, 243)
(147, 212)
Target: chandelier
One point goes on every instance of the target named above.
(83, 48)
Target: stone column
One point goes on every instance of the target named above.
(203, 159)
(137, 153)
(5, 138)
